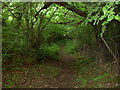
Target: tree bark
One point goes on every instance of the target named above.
(72, 8)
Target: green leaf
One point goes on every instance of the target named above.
(111, 10)
(103, 31)
(108, 6)
(111, 3)
(102, 17)
(105, 10)
(96, 17)
(101, 77)
(96, 9)
(110, 18)
(104, 23)
(117, 18)
(101, 34)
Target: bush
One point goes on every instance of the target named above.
(51, 52)
(82, 62)
(85, 36)
(70, 46)
(13, 43)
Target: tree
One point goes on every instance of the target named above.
(37, 16)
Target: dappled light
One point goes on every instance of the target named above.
(60, 44)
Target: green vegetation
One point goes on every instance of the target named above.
(95, 76)
(47, 70)
(60, 44)
(51, 51)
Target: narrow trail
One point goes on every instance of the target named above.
(66, 78)
(34, 77)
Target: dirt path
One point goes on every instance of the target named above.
(41, 77)
(65, 78)
(51, 74)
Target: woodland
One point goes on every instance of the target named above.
(60, 44)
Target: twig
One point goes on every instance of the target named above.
(48, 20)
(66, 13)
(10, 10)
(45, 7)
(109, 48)
(12, 14)
(116, 60)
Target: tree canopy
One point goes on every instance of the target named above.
(81, 33)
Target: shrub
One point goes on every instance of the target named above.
(70, 46)
(51, 52)
(13, 43)
(82, 62)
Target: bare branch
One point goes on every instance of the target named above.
(9, 10)
(48, 20)
(12, 14)
(47, 4)
(109, 48)
(63, 22)
(66, 13)
(72, 8)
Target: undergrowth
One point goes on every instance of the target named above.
(91, 75)
(47, 70)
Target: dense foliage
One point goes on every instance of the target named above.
(43, 31)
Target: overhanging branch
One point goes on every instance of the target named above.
(12, 13)
(47, 4)
(72, 8)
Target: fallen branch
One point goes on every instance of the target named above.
(109, 48)
(116, 60)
